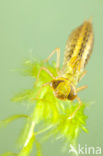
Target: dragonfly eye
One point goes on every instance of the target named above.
(72, 95)
(55, 83)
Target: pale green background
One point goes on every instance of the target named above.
(40, 26)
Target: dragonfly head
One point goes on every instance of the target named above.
(63, 89)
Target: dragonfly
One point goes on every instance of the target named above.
(76, 55)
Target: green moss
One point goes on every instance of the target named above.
(49, 114)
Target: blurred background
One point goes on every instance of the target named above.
(34, 28)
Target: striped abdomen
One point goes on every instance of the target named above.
(78, 49)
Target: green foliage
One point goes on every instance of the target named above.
(9, 154)
(50, 116)
(12, 118)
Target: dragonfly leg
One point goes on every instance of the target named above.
(78, 99)
(80, 104)
(44, 85)
(57, 50)
(82, 75)
(46, 70)
(82, 88)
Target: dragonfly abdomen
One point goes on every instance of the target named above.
(78, 49)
